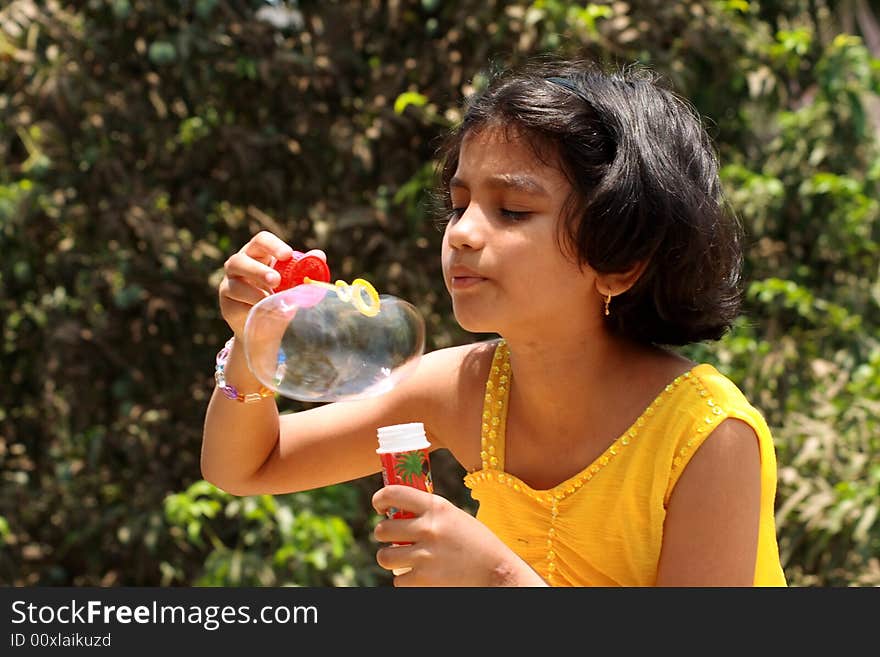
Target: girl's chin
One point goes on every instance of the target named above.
(475, 322)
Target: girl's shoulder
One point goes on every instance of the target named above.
(460, 363)
(721, 389)
(451, 382)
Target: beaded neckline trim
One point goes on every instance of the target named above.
(493, 426)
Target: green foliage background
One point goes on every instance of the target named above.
(142, 142)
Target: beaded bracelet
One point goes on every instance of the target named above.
(230, 390)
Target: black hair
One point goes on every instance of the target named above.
(646, 188)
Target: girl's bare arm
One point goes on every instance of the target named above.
(710, 536)
(248, 449)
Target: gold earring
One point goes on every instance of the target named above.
(607, 304)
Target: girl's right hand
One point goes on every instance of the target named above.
(250, 278)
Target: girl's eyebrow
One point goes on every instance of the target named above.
(517, 182)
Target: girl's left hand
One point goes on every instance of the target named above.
(449, 546)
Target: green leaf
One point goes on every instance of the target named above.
(162, 52)
(408, 98)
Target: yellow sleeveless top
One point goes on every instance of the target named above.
(604, 525)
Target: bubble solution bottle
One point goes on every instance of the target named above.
(403, 451)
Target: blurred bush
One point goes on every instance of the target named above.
(143, 142)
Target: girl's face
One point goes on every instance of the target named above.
(501, 250)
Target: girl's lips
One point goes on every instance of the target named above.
(464, 282)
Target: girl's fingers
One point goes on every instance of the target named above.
(315, 252)
(246, 268)
(255, 260)
(265, 246)
(402, 497)
(406, 577)
(396, 531)
(243, 291)
(395, 556)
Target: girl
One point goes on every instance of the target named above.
(586, 227)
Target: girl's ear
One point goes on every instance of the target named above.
(619, 282)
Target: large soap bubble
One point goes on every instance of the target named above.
(319, 342)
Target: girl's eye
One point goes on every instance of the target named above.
(452, 215)
(456, 213)
(513, 215)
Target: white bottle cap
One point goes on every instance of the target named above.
(402, 438)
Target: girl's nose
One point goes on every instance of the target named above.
(468, 230)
